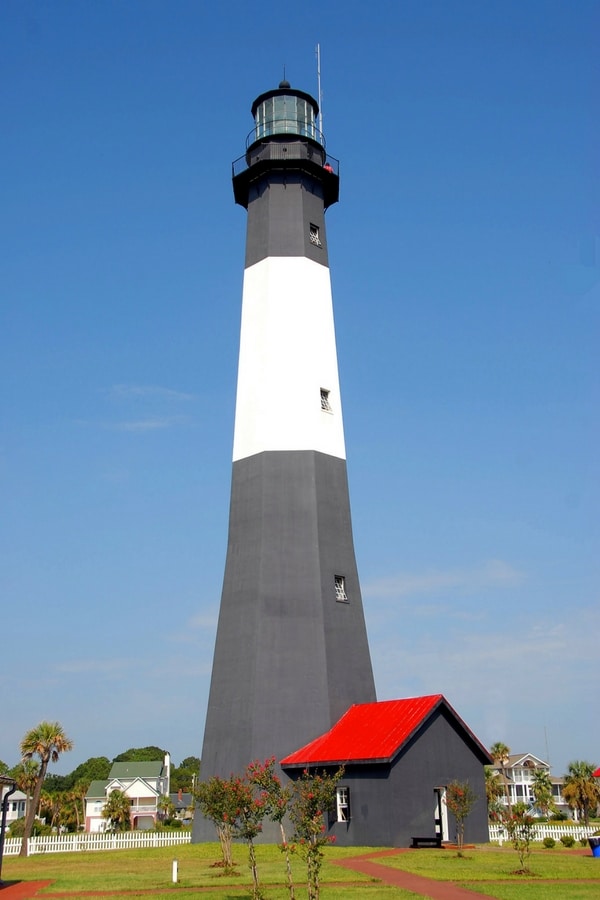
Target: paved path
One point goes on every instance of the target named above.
(426, 887)
(21, 890)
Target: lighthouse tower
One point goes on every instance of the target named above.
(291, 653)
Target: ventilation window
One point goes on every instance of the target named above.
(340, 588)
(315, 237)
(342, 804)
(325, 402)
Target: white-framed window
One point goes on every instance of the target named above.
(314, 236)
(325, 401)
(342, 804)
(340, 588)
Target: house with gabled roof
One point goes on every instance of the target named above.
(518, 776)
(398, 757)
(143, 782)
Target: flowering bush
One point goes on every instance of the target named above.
(460, 799)
(312, 797)
(277, 799)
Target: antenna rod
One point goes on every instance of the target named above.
(319, 95)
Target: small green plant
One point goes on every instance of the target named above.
(521, 831)
(583, 842)
(549, 843)
(567, 840)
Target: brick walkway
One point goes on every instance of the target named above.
(427, 887)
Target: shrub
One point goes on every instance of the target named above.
(16, 828)
(567, 840)
(549, 843)
(583, 842)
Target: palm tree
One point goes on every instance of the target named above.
(494, 789)
(500, 753)
(47, 741)
(581, 790)
(542, 791)
(25, 774)
(117, 810)
(77, 795)
(166, 807)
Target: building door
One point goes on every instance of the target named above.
(440, 813)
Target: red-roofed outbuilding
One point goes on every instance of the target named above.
(398, 757)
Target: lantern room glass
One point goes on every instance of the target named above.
(285, 114)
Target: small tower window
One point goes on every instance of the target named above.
(342, 803)
(325, 402)
(315, 237)
(340, 588)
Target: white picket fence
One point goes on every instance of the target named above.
(543, 830)
(69, 843)
(128, 840)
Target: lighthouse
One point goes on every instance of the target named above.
(291, 652)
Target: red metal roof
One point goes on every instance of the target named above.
(369, 732)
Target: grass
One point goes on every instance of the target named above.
(492, 871)
(560, 875)
(145, 869)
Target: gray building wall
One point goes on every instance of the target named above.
(391, 803)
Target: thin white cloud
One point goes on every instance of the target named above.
(492, 573)
(147, 392)
(197, 628)
(152, 423)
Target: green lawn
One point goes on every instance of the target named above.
(491, 871)
(487, 870)
(141, 870)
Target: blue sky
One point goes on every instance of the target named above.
(464, 258)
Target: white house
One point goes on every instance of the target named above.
(519, 774)
(143, 782)
(16, 806)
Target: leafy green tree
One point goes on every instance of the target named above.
(542, 791)
(141, 754)
(580, 789)
(3, 768)
(47, 741)
(55, 784)
(217, 803)
(494, 790)
(186, 774)
(500, 753)
(520, 827)
(96, 768)
(117, 811)
(460, 799)
(313, 796)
